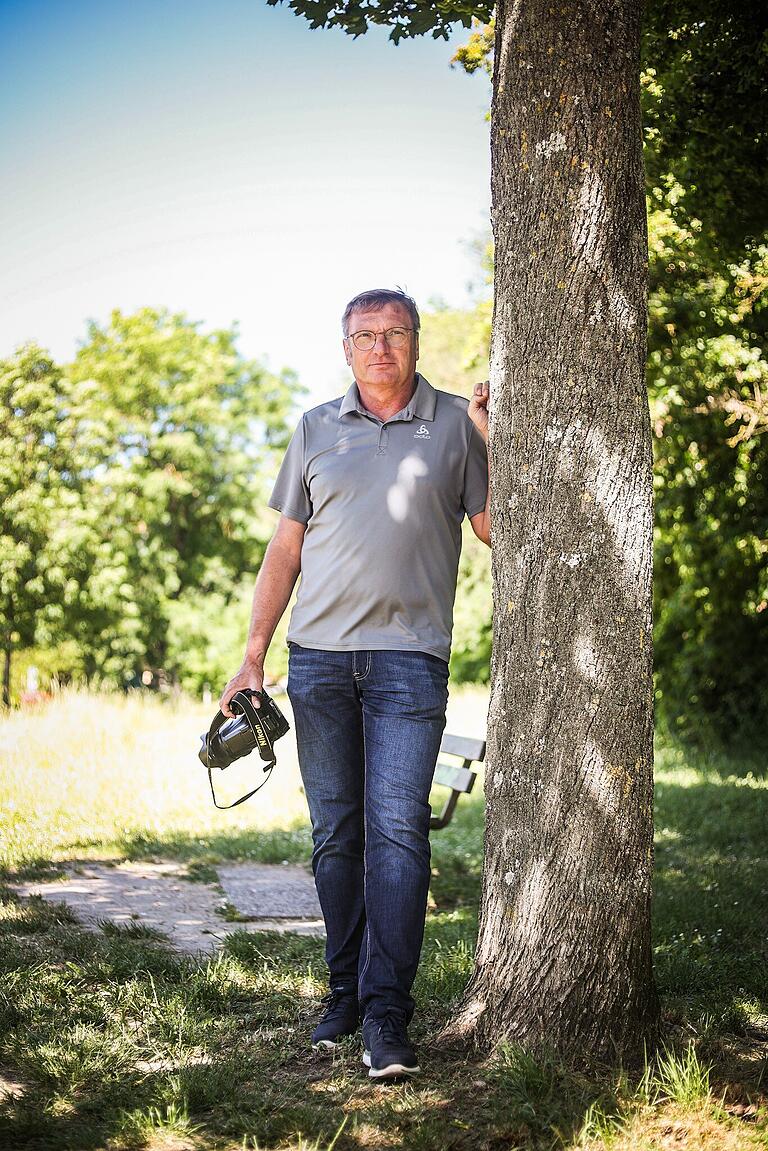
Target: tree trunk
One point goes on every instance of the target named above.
(564, 949)
(7, 654)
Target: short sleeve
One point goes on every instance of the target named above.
(290, 494)
(475, 490)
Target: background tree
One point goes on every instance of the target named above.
(705, 109)
(38, 486)
(133, 485)
(705, 106)
(707, 372)
(179, 428)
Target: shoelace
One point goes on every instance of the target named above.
(392, 1030)
(333, 998)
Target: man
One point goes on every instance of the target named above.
(372, 491)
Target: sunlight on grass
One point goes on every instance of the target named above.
(89, 774)
(300, 1144)
(143, 1126)
(682, 1077)
(87, 771)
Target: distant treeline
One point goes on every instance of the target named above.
(132, 484)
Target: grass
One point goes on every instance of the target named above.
(110, 1042)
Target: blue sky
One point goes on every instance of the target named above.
(225, 160)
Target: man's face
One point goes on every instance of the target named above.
(383, 364)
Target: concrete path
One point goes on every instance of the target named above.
(263, 897)
(263, 892)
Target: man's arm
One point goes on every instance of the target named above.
(481, 521)
(478, 413)
(274, 585)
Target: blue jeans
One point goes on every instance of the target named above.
(368, 729)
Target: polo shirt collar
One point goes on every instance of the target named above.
(421, 404)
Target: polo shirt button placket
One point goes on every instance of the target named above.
(381, 449)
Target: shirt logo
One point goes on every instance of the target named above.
(421, 433)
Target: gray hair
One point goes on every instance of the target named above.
(376, 299)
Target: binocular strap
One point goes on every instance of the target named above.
(225, 806)
(262, 742)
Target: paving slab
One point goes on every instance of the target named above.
(271, 891)
(158, 895)
(11, 1087)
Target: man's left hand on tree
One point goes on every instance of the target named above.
(478, 408)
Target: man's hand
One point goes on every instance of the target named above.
(478, 408)
(251, 675)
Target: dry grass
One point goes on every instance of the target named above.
(80, 777)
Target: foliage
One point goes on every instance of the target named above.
(705, 109)
(55, 664)
(170, 436)
(206, 637)
(39, 484)
(477, 53)
(472, 617)
(454, 346)
(405, 18)
(207, 634)
(454, 356)
(707, 366)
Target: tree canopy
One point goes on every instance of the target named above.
(403, 17)
(135, 480)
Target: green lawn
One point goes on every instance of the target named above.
(112, 1042)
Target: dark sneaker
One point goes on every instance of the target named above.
(387, 1051)
(341, 1017)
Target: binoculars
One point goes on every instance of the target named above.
(249, 727)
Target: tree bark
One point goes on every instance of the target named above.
(7, 655)
(564, 950)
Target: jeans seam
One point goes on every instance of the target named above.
(362, 973)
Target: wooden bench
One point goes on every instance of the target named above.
(460, 778)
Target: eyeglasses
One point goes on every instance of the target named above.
(366, 341)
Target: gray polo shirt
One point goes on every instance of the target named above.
(383, 502)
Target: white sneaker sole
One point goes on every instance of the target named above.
(389, 1072)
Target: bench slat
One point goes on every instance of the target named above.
(463, 746)
(457, 778)
(460, 779)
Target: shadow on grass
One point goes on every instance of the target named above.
(741, 761)
(119, 1043)
(711, 900)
